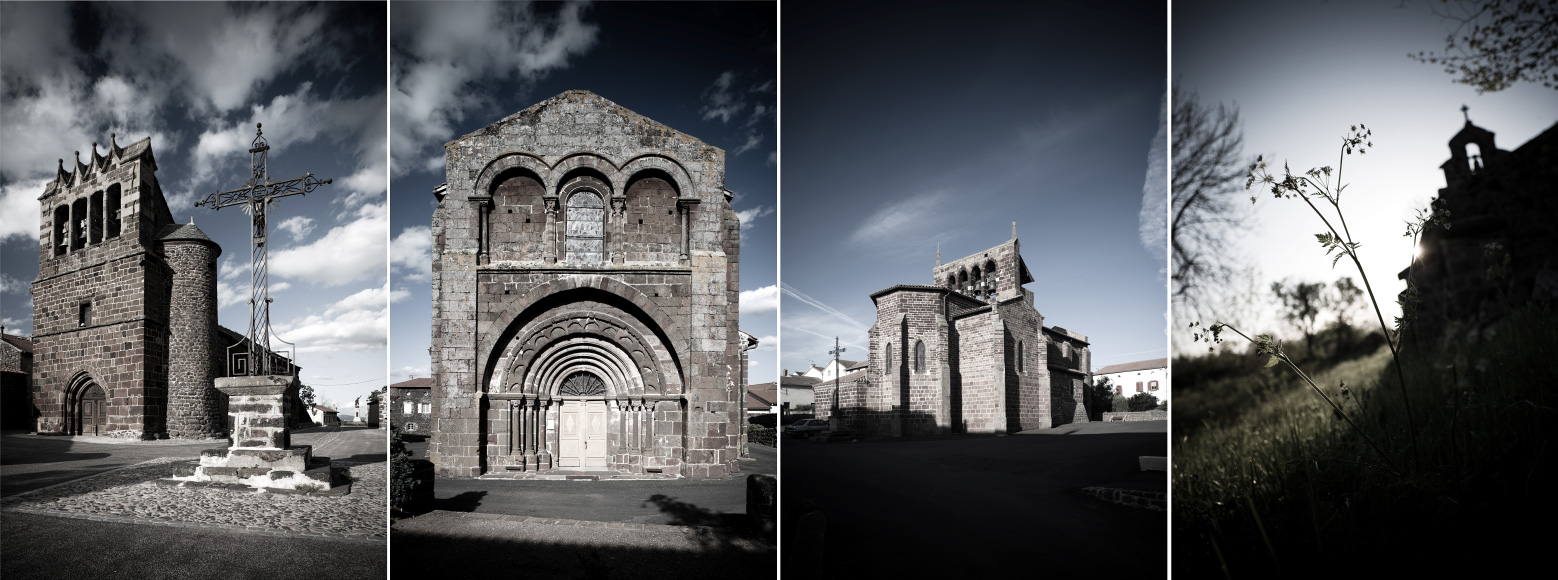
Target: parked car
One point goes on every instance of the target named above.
(806, 427)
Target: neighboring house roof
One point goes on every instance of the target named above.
(762, 397)
(324, 409)
(5, 368)
(853, 366)
(417, 383)
(1141, 365)
(799, 381)
(20, 342)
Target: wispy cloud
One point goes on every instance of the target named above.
(911, 223)
(411, 253)
(1153, 219)
(814, 303)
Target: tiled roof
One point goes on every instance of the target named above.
(1141, 365)
(762, 396)
(21, 342)
(420, 382)
(801, 380)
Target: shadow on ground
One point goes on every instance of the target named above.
(715, 530)
(419, 554)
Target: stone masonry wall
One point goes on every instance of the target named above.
(195, 406)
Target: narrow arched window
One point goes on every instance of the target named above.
(61, 229)
(111, 212)
(889, 356)
(919, 356)
(586, 228)
(1019, 357)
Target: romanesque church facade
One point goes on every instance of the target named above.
(125, 340)
(966, 354)
(585, 268)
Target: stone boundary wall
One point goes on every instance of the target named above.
(1136, 416)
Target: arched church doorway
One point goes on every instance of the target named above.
(582, 423)
(92, 411)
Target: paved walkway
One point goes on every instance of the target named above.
(129, 493)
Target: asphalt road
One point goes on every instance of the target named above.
(51, 548)
(643, 501)
(975, 507)
(28, 462)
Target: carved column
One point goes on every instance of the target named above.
(544, 453)
(551, 228)
(684, 206)
(619, 208)
(483, 208)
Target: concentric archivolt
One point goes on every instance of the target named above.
(542, 357)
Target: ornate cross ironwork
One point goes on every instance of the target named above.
(256, 197)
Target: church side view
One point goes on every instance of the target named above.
(584, 298)
(967, 354)
(125, 336)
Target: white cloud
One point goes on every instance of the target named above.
(19, 209)
(443, 49)
(719, 102)
(1153, 219)
(347, 253)
(747, 217)
(760, 301)
(231, 294)
(9, 285)
(753, 140)
(357, 323)
(411, 253)
(298, 226)
(773, 158)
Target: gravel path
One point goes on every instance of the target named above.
(132, 495)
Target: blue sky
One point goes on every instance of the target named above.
(196, 78)
(1337, 64)
(705, 69)
(926, 125)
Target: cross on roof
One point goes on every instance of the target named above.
(256, 197)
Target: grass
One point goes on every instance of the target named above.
(1269, 480)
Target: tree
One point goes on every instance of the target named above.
(1301, 303)
(1207, 201)
(1497, 43)
(1142, 402)
(1344, 298)
(1102, 396)
(306, 394)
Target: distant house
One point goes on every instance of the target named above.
(762, 398)
(16, 410)
(323, 415)
(795, 391)
(411, 406)
(1143, 376)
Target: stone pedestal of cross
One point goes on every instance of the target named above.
(260, 382)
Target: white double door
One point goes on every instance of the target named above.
(582, 434)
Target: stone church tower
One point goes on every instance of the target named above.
(967, 354)
(584, 298)
(115, 353)
(1497, 254)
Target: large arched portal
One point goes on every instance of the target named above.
(579, 387)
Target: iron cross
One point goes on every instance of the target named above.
(837, 350)
(256, 197)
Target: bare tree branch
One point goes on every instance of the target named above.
(1497, 43)
(1207, 201)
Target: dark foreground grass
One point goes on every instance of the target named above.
(1268, 481)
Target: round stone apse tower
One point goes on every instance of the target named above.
(196, 408)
